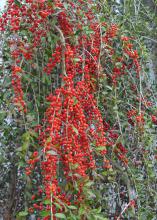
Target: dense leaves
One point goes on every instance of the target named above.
(82, 115)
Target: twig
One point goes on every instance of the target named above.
(126, 207)
(62, 38)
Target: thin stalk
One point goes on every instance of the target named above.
(62, 38)
(117, 113)
(51, 208)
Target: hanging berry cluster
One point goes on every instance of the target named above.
(73, 132)
(73, 123)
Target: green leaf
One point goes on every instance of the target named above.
(72, 207)
(17, 3)
(75, 100)
(52, 152)
(82, 210)
(60, 202)
(74, 166)
(57, 205)
(24, 213)
(78, 32)
(75, 129)
(27, 78)
(60, 215)
(90, 183)
(91, 194)
(65, 5)
(119, 64)
(26, 136)
(2, 115)
(98, 217)
(109, 87)
(21, 164)
(47, 202)
(76, 60)
(101, 148)
(45, 213)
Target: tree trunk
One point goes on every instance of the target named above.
(8, 215)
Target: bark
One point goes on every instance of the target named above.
(153, 43)
(8, 214)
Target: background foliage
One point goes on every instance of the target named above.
(123, 185)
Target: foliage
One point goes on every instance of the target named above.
(82, 115)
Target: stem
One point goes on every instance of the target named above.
(99, 65)
(126, 207)
(36, 105)
(51, 208)
(118, 118)
(62, 38)
(140, 104)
